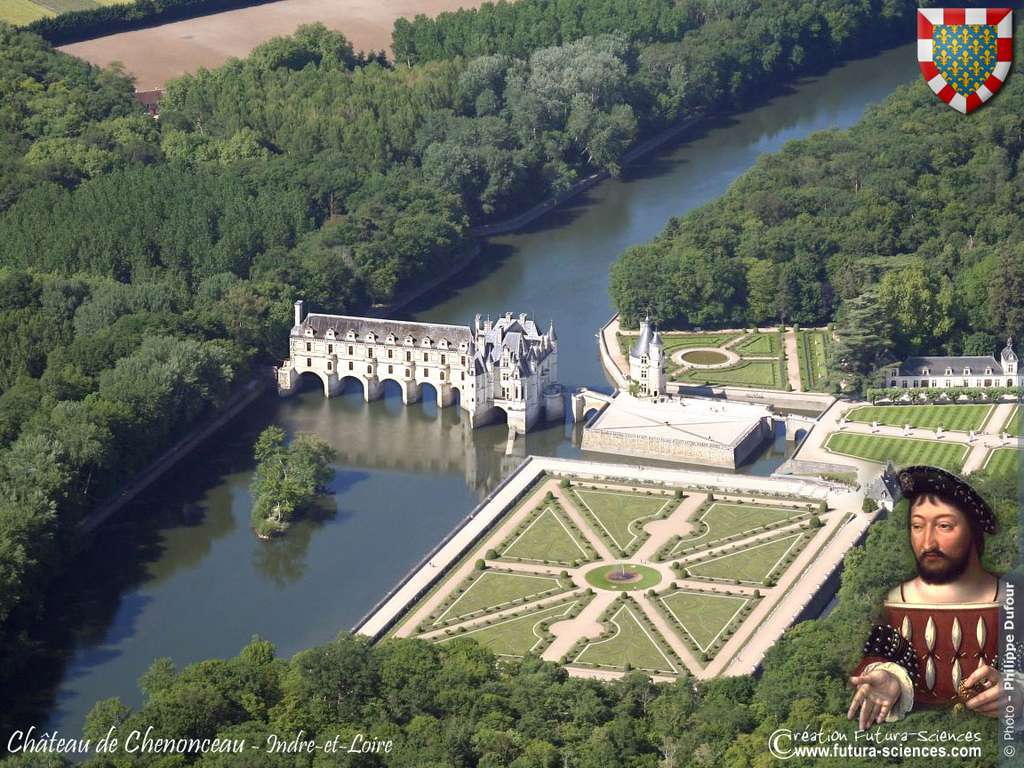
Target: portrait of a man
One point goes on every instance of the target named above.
(940, 643)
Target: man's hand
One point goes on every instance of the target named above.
(992, 700)
(877, 693)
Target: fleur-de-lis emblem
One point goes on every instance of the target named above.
(965, 79)
(977, 68)
(956, 68)
(965, 35)
(987, 34)
(944, 56)
(988, 58)
(976, 46)
(955, 46)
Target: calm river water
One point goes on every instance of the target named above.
(182, 575)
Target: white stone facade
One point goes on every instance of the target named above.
(504, 365)
(647, 362)
(982, 371)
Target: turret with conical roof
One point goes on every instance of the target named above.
(1009, 358)
(647, 360)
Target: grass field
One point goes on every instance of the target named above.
(704, 617)
(631, 644)
(620, 515)
(493, 589)
(751, 565)
(517, 636)
(902, 451)
(1013, 425)
(21, 12)
(546, 538)
(750, 373)
(760, 344)
(1004, 462)
(812, 353)
(958, 418)
(724, 520)
(679, 340)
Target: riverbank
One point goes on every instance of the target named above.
(174, 455)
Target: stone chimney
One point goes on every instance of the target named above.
(300, 312)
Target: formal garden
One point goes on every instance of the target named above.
(952, 417)
(901, 451)
(750, 358)
(609, 577)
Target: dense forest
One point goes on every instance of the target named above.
(456, 704)
(904, 230)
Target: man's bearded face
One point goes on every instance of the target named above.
(940, 535)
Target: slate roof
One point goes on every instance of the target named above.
(914, 366)
(342, 324)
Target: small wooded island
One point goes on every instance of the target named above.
(288, 478)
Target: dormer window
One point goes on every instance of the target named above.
(391, 338)
(925, 372)
(443, 343)
(371, 338)
(967, 371)
(895, 371)
(310, 332)
(330, 333)
(949, 371)
(426, 342)
(463, 347)
(410, 340)
(988, 371)
(351, 335)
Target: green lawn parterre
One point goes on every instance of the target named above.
(748, 373)
(760, 344)
(547, 537)
(703, 616)
(631, 644)
(752, 564)
(1013, 425)
(902, 451)
(812, 354)
(1004, 462)
(495, 589)
(620, 515)
(957, 418)
(722, 520)
(519, 635)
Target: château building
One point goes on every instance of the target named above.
(964, 371)
(647, 361)
(498, 366)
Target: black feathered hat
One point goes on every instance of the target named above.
(923, 479)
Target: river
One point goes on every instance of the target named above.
(181, 574)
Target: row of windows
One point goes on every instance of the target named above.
(948, 383)
(947, 372)
(371, 338)
(369, 354)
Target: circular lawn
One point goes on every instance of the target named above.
(623, 577)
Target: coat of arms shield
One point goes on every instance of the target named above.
(965, 53)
